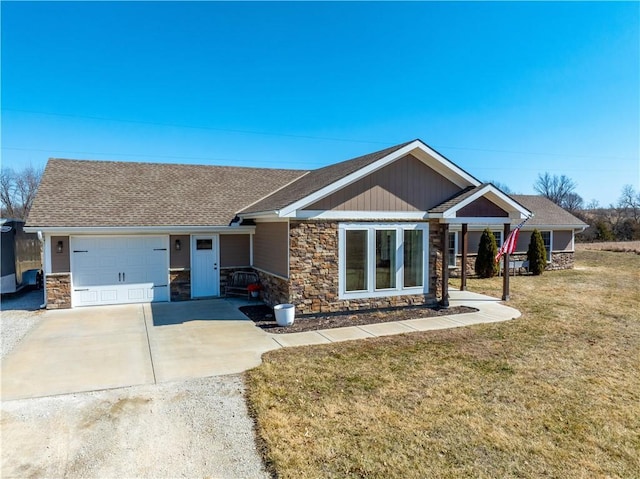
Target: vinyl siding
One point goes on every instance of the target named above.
(234, 250)
(60, 261)
(271, 248)
(182, 258)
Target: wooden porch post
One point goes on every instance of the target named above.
(465, 245)
(505, 275)
(445, 265)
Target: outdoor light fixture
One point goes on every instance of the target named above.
(178, 245)
(60, 245)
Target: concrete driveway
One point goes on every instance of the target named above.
(88, 349)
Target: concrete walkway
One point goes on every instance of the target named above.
(490, 310)
(88, 349)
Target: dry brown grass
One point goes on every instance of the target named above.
(555, 393)
(617, 246)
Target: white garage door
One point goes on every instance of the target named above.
(119, 270)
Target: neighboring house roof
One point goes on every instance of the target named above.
(83, 193)
(547, 213)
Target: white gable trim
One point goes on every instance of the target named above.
(494, 195)
(425, 154)
(360, 215)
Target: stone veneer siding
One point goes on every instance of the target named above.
(275, 290)
(58, 287)
(313, 272)
(180, 285)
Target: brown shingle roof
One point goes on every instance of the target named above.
(546, 212)
(81, 193)
(316, 180)
(455, 199)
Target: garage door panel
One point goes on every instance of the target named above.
(118, 270)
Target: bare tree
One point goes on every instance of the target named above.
(17, 191)
(573, 202)
(593, 205)
(501, 186)
(559, 189)
(629, 202)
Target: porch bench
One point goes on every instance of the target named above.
(239, 283)
(518, 266)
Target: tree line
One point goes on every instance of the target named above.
(617, 222)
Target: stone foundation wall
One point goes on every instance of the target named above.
(561, 261)
(180, 285)
(275, 290)
(58, 287)
(313, 272)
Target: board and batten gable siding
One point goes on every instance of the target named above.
(483, 208)
(60, 262)
(180, 259)
(405, 185)
(271, 248)
(235, 250)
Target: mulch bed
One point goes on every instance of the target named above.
(264, 318)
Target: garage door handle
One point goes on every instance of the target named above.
(80, 251)
(123, 277)
(159, 286)
(86, 289)
(119, 276)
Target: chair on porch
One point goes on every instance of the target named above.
(239, 283)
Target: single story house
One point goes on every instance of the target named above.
(363, 233)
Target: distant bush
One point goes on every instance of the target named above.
(537, 254)
(486, 266)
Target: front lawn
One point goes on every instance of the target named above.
(555, 393)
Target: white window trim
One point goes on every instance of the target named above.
(455, 249)
(371, 292)
(501, 234)
(550, 250)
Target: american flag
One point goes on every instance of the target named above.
(509, 245)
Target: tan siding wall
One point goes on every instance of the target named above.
(234, 250)
(481, 207)
(405, 185)
(562, 240)
(524, 238)
(60, 261)
(271, 248)
(182, 258)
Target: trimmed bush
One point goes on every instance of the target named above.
(537, 254)
(486, 266)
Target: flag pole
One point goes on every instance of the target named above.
(505, 275)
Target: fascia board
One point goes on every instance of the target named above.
(132, 230)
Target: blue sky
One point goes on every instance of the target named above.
(504, 90)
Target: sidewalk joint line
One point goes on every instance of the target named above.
(146, 328)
